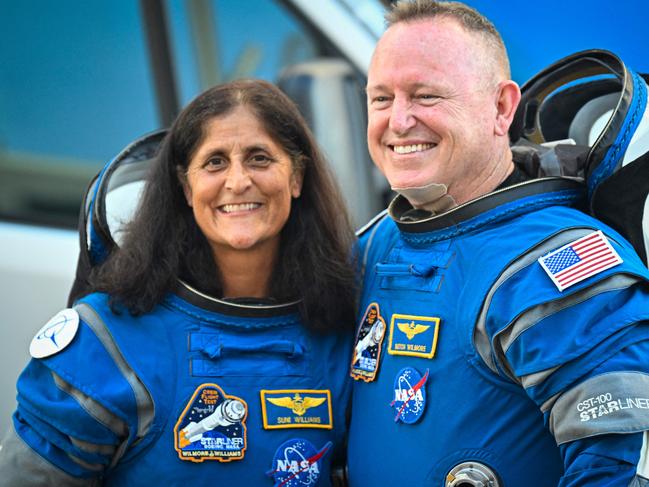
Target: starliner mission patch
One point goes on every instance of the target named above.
(367, 350)
(212, 426)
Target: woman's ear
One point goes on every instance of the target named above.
(182, 178)
(297, 178)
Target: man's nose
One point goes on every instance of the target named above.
(401, 116)
(237, 178)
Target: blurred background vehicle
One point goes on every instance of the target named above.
(80, 80)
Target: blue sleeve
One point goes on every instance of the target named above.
(582, 355)
(598, 410)
(607, 410)
(76, 409)
(56, 424)
(607, 460)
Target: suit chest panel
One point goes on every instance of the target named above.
(429, 299)
(240, 397)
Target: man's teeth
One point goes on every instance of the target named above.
(407, 149)
(239, 207)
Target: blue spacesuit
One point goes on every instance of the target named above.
(515, 350)
(197, 392)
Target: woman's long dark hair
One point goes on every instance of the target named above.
(163, 241)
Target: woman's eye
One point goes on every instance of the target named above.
(260, 160)
(215, 163)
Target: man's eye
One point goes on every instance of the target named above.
(427, 97)
(380, 102)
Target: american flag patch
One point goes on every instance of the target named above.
(579, 260)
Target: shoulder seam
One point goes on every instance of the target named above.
(376, 219)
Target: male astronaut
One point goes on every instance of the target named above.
(517, 346)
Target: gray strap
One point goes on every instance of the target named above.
(22, 466)
(95, 409)
(143, 399)
(481, 338)
(642, 470)
(615, 402)
(530, 380)
(379, 218)
(145, 407)
(639, 481)
(376, 221)
(94, 448)
(508, 335)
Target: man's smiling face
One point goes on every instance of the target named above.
(431, 105)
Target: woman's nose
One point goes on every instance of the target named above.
(237, 178)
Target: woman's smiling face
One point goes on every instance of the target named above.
(240, 184)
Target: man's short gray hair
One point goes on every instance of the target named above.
(469, 18)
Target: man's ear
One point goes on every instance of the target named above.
(182, 178)
(507, 99)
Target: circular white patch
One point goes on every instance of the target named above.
(55, 335)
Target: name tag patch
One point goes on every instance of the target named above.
(212, 426)
(367, 351)
(296, 408)
(415, 336)
(297, 463)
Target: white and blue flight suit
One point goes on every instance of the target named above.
(488, 374)
(197, 392)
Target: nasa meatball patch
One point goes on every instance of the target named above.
(297, 463)
(55, 335)
(409, 395)
(369, 340)
(212, 426)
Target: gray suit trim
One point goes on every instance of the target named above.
(145, 406)
(481, 339)
(22, 466)
(639, 481)
(92, 467)
(95, 409)
(144, 400)
(376, 221)
(527, 320)
(642, 470)
(549, 403)
(531, 380)
(615, 402)
(95, 448)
